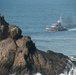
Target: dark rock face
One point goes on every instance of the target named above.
(3, 28)
(19, 56)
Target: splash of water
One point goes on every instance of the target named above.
(38, 73)
(72, 70)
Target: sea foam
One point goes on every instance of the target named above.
(72, 67)
(38, 73)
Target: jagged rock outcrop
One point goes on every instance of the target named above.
(19, 55)
(7, 30)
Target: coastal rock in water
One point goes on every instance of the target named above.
(19, 55)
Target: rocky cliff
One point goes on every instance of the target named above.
(19, 55)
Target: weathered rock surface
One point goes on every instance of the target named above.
(19, 56)
(7, 30)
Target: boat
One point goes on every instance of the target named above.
(56, 27)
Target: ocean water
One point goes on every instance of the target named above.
(33, 16)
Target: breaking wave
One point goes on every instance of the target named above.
(38, 73)
(71, 72)
(72, 67)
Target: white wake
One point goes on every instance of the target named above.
(73, 29)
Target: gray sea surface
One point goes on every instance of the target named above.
(33, 16)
